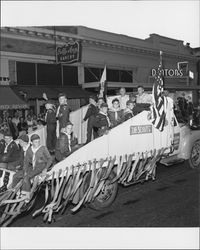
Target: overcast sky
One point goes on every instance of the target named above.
(175, 19)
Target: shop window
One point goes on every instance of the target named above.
(26, 73)
(126, 76)
(70, 75)
(49, 74)
(113, 75)
(92, 74)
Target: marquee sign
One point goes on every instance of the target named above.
(69, 53)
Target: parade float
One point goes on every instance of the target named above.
(126, 155)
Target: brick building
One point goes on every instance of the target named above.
(72, 58)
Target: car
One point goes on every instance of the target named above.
(186, 145)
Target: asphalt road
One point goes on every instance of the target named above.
(172, 200)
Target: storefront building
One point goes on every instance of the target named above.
(71, 59)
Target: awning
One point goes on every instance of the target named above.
(73, 92)
(9, 100)
(35, 92)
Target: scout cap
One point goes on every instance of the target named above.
(35, 137)
(61, 94)
(92, 97)
(24, 138)
(129, 102)
(8, 133)
(104, 105)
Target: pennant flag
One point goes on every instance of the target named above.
(159, 101)
(103, 85)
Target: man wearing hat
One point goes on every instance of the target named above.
(90, 116)
(63, 111)
(102, 121)
(50, 119)
(66, 143)
(9, 153)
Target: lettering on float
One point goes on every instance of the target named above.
(140, 129)
(69, 53)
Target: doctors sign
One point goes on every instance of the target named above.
(69, 53)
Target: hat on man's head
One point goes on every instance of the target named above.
(61, 94)
(92, 97)
(50, 102)
(129, 102)
(104, 105)
(69, 123)
(35, 137)
(8, 133)
(24, 138)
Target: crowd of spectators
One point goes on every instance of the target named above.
(18, 123)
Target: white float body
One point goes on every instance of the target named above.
(136, 135)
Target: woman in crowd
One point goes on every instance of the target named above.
(12, 128)
(29, 121)
(22, 126)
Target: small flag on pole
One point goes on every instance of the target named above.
(103, 85)
(159, 101)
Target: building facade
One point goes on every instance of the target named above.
(72, 58)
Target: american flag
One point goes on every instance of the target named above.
(159, 101)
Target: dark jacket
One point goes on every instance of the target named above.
(91, 112)
(13, 129)
(43, 159)
(114, 122)
(63, 147)
(13, 152)
(128, 114)
(101, 122)
(63, 115)
(51, 118)
(22, 126)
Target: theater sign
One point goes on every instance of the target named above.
(69, 53)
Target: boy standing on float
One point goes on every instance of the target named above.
(50, 119)
(62, 113)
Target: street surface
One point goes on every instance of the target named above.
(172, 200)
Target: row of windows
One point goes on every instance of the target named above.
(46, 74)
(113, 75)
(49, 74)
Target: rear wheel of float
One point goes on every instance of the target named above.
(107, 194)
(194, 160)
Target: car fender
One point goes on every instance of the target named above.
(187, 142)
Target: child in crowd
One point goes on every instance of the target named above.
(9, 153)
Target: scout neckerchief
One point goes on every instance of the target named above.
(69, 140)
(6, 147)
(106, 115)
(116, 112)
(34, 150)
